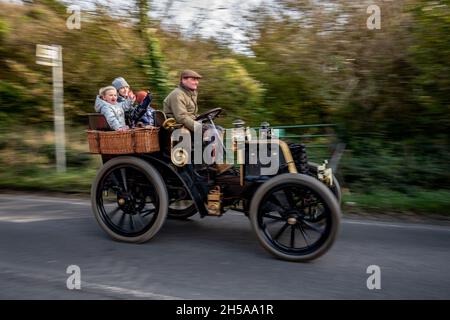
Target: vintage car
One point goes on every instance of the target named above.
(294, 210)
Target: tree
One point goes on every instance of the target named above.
(153, 63)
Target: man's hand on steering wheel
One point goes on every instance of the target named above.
(210, 114)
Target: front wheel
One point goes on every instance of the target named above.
(295, 217)
(129, 199)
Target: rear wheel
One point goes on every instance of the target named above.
(295, 217)
(129, 199)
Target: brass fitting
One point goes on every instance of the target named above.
(215, 202)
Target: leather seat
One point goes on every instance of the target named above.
(160, 117)
(97, 121)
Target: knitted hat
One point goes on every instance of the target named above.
(120, 83)
(140, 96)
(103, 90)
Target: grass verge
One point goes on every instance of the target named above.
(381, 201)
(73, 181)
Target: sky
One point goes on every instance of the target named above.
(211, 18)
(224, 20)
(220, 19)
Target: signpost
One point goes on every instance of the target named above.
(52, 56)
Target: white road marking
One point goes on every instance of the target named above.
(87, 203)
(398, 225)
(379, 223)
(27, 202)
(44, 200)
(127, 292)
(26, 219)
(86, 286)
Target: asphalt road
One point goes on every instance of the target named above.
(211, 258)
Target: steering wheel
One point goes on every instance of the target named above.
(213, 113)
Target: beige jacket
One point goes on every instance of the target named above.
(181, 104)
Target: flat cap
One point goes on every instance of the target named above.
(190, 74)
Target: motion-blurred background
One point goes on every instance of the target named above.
(386, 92)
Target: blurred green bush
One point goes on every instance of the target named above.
(387, 90)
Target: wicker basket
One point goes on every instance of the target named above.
(147, 140)
(142, 140)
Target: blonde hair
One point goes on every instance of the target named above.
(103, 90)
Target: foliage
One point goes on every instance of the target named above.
(387, 90)
(386, 201)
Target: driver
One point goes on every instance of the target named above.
(181, 103)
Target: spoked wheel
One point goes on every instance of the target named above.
(129, 199)
(295, 217)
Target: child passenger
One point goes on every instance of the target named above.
(142, 114)
(114, 111)
(146, 116)
(123, 90)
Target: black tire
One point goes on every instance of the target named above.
(336, 188)
(305, 197)
(129, 189)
